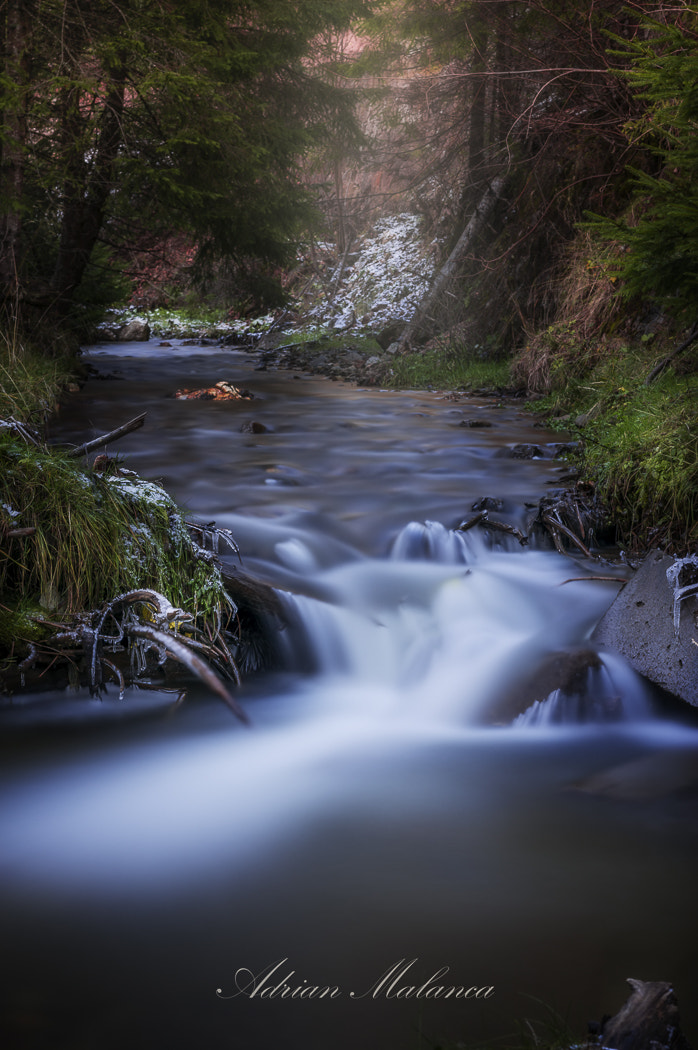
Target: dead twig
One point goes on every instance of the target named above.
(659, 368)
(482, 518)
(556, 526)
(583, 579)
(90, 446)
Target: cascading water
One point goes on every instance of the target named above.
(446, 624)
(424, 785)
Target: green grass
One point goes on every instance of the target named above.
(439, 369)
(30, 382)
(639, 444)
(94, 537)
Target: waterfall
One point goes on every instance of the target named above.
(609, 692)
(445, 629)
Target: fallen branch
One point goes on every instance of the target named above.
(482, 518)
(658, 369)
(106, 439)
(583, 579)
(183, 654)
(555, 527)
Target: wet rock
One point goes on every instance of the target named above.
(567, 670)
(561, 449)
(524, 451)
(389, 334)
(253, 427)
(133, 332)
(649, 1019)
(488, 503)
(640, 626)
(474, 423)
(653, 776)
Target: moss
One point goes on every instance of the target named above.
(20, 622)
(94, 537)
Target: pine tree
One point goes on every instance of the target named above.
(660, 260)
(121, 121)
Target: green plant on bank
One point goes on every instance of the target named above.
(30, 381)
(94, 537)
(329, 341)
(639, 442)
(556, 360)
(448, 370)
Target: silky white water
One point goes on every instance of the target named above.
(406, 791)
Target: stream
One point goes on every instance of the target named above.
(397, 819)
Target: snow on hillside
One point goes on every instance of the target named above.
(388, 274)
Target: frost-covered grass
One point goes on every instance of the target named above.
(184, 323)
(639, 442)
(93, 537)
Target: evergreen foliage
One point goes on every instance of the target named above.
(659, 237)
(125, 123)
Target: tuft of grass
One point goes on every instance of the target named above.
(448, 369)
(94, 537)
(557, 358)
(30, 382)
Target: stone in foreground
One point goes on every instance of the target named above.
(640, 626)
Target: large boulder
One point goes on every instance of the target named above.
(653, 632)
(133, 331)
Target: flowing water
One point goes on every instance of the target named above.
(400, 815)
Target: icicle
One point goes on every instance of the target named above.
(673, 575)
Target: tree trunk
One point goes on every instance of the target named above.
(87, 185)
(480, 216)
(339, 194)
(478, 87)
(14, 26)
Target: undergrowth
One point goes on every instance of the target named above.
(30, 382)
(639, 443)
(452, 370)
(93, 538)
